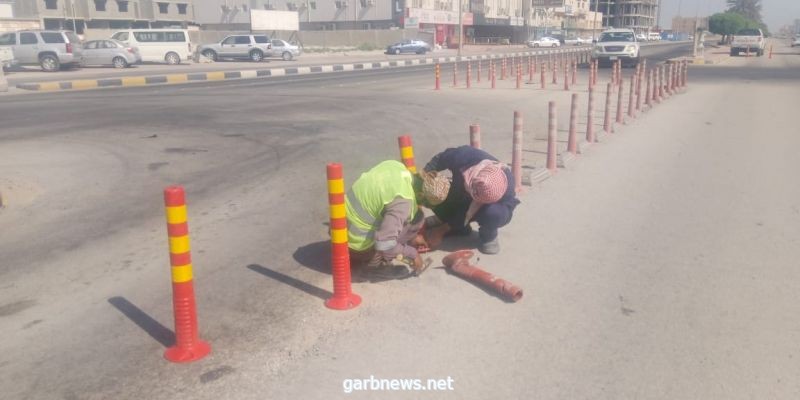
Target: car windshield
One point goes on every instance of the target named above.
(617, 37)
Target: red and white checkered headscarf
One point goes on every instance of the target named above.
(486, 183)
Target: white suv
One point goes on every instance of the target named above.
(617, 44)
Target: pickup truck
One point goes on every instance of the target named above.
(748, 39)
(7, 58)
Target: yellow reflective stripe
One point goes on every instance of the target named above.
(215, 76)
(134, 81)
(406, 152)
(177, 78)
(336, 186)
(176, 215)
(339, 235)
(182, 273)
(48, 86)
(87, 84)
(413, 169)
(179, 245)
(338, 211)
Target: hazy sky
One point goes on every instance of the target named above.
(776, 13)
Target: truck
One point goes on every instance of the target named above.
(748, 40)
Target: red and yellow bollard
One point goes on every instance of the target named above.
(407, 152)
(438, 84)
(188, 346)
(343, 297)
(475, 136)
(469, 74)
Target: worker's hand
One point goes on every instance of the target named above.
(420, 243)
(418, 264)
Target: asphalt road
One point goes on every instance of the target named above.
(661, 265)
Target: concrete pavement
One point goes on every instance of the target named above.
(659, 266)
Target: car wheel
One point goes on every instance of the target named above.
(210, 54)
(172, 58)
(49, 63)
(396, 51)
(256, 56)
(119, 62)
(287, 56)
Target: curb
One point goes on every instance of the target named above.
(174, 79)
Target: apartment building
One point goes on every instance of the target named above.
(566, 18)
(313, 14)
(80, 15)
(639, 15)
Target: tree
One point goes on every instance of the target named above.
(751, 9)
(727, 23)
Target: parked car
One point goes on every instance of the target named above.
(796, 41)
(546, 41)
(641, 37)
(284, 49)
(409, 46)
(51, 50)
(158, 45)
(653, 36)
(110, 52)
(576, 41)
(617, 44)
(252, 47)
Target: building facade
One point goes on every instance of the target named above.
(639, 15)
(688, 25)
(80, 15)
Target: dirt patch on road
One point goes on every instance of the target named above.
(15, 192)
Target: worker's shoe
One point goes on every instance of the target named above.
(490, 247)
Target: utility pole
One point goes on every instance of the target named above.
(460, 26)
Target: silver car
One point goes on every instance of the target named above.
(110, 52)
(284, 49)
(253, 47)
(49, 49)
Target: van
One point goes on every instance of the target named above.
(654, 36)
(158, 45)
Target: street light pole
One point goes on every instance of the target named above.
(460, 26)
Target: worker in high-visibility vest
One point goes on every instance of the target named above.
(383, 216)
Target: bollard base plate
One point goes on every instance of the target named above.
(564, 159)
(184, 355)
(343, 303)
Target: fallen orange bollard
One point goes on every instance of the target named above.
(458, 263)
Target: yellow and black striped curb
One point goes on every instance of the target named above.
(171, 79)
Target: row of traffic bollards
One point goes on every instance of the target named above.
(661, 82)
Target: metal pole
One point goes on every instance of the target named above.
(460, 27)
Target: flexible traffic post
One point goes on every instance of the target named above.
(648, 97)
(407, 152)
(639, 92)
(188, 345)
(552, 139)
(531, 69)
(343, 297)
(555, 73)
(475, 136)
(660, 90)
(503, 70)
(542, 76)
(479, 70)
(438, 73)
(686, 74)
(455, 74)
(620, 94)
(590, 136)
(607, 112)
(770, 52)
(748, 52)
(469, 74)
(566, 76)
(493, 76)
(490, 70)
(575, 72)
(630, 96)
(519, 75)
(572, 140)
(671, 79)
(516, 151)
